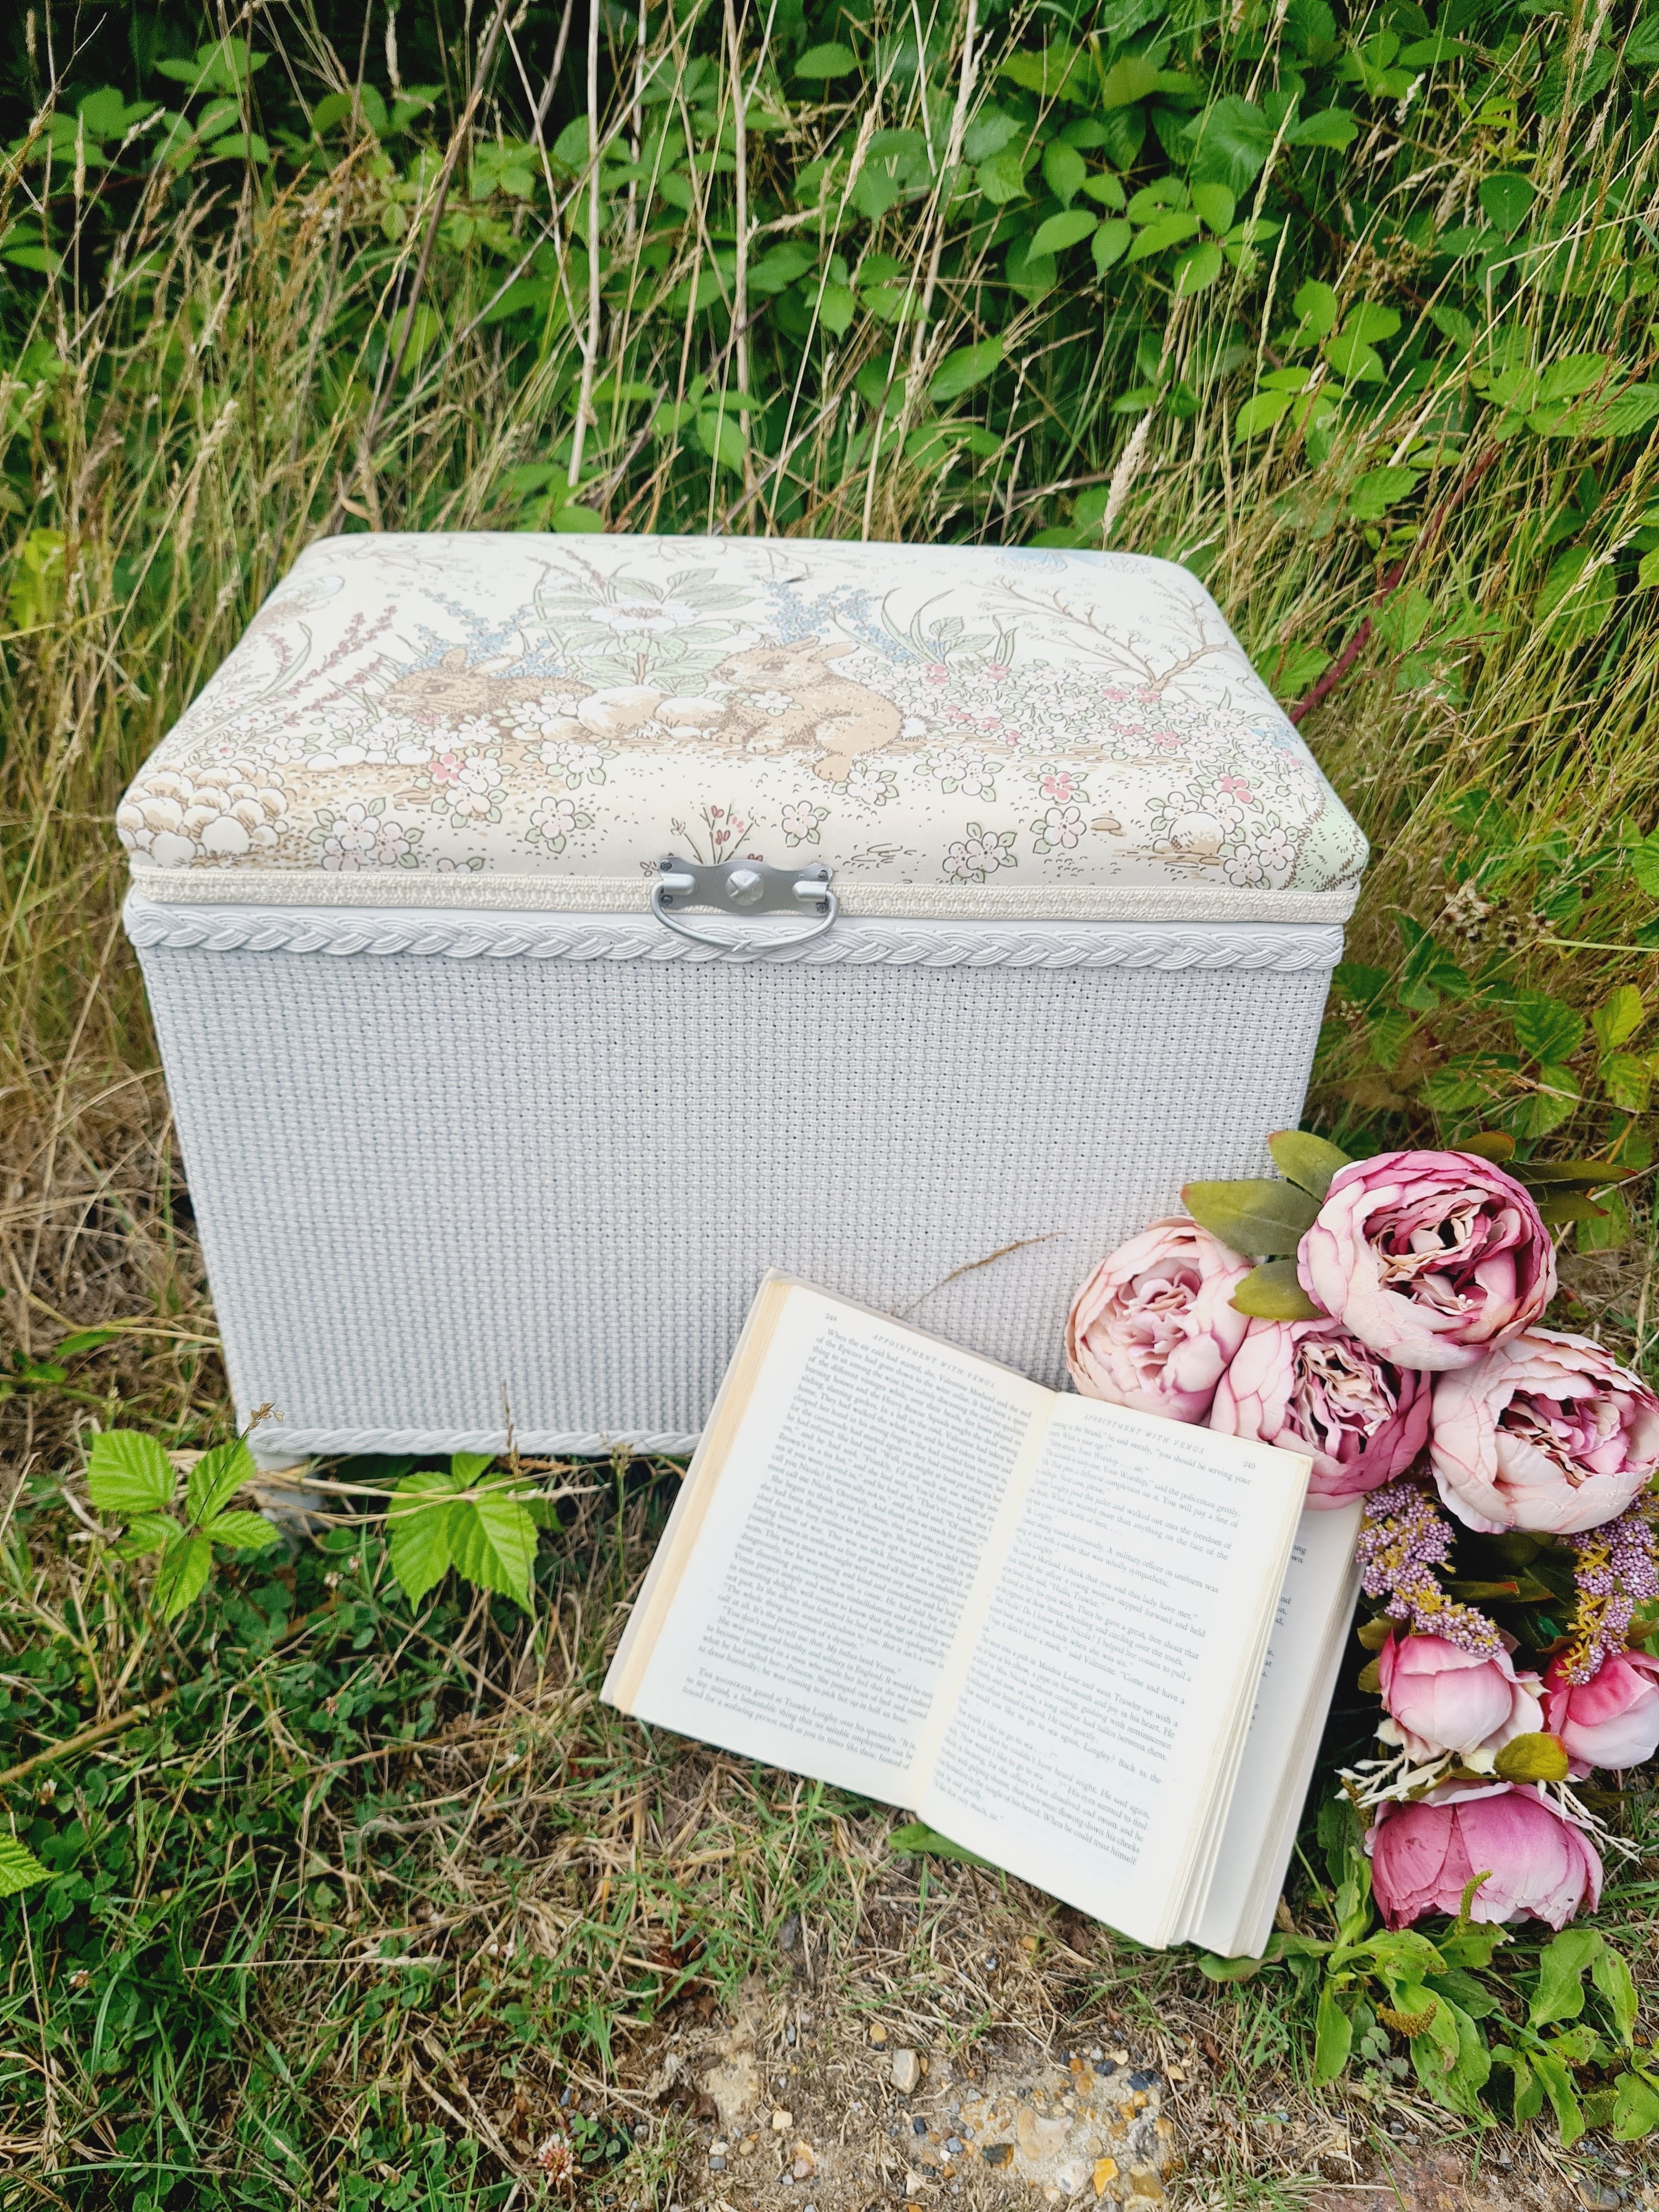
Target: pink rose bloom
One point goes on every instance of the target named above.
(1611, 1720)
(1430, 1258)
(1154, 1325)
(1423, 1856)
(1308, 1386)
(1549, 1433)
(1441, 1698)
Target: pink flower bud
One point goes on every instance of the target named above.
(1442, 1698)
(1538, 1865)
(1611, 1720)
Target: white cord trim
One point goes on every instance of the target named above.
(411, 889)
(302, 1445)
(1168, 947)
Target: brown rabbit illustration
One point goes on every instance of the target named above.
(456, 688)
(785, 699)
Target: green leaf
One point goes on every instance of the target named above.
(1064, 170)
(146, 1533)
(1333, 2037)
(917, 1840)
(1644, 858)
(1060, 231)
(1309, 1162)
(19, 1868)
(1215, 205)
(417, 1529)
(1046, 74)
(492, 1539)
(1354, 361)
(242, 1532)
(1610, 1972)
(1379, 490)
(1331, 126)
(1561, 1968)
(1316, 305)
(1255, 1215)
(186, 1566)
(960, 371)
(1129, 79)
(1546, 1029)
(1272, 1292)
(1535, 1757)
(1215, 1969)
(1616, 1019)
(1495, 1144)
(1506, 199)
(1627, 1081)
(1197, 269)
(1557, 2087)
(215, 1479)
(1002, 178)
(1259, 413)
(1233, 139)
(826, 62)
(1171, 229)
(128, 1471)
(1636, 2108)
(1110, 243)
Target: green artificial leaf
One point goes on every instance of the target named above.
(419, 1529)
(915, 1839)
(1561, 1968)
(1494, 1145)
(1197, 269)
(1616, 1019)
(1379, 490)
(128, 1471)
(1309, 1162)
(215, 1479)
(1636, 2108)
(1616, 1986)
(1546, 1029)
(186, 1566)
(824, 62)
(960, 371)
(1331, 126)
(1272, 1292)
(1060, 231)
(1506, 199)
(1333, 2037)
(1255, 1215)
(1538, 1756)
(242, 1532)
(1576, 1175)
(1563, 2099)
(1216, 1969)
(19, 1868)
(492, 1538)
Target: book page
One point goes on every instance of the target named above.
(806, 1618)
(1102, 1700)
(1304, 1651)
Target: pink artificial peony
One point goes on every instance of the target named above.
(1153, 1327)
(1548, 1432)
(1611, 1720)
(1424, 1855)
(1307, 1386)
(1442, 1698)
(1429, 1258)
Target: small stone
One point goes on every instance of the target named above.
(954, 2144)
(1147, 2078)
(877, 2032)
(914, 2178)
(781, 2121)
(1105, 2175)
(904, 2071)
(716, 2165)
(1144, 2181)
(1071, 2177)
(717, 2148)
(998, 2154)
(918, 2126)
(804, 2165)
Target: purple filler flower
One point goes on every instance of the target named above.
(1402, 1540)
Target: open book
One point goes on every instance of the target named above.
(1093, 1646)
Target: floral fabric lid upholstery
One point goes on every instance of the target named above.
(520, 721)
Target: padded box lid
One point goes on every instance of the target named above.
(513, 721)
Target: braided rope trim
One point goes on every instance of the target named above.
(1171, 947)
(290, 1448)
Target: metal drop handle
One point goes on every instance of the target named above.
(741, 887)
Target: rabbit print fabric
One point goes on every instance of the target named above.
(526, 705)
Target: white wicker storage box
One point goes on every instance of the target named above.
(473, 1135)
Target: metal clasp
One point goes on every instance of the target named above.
(741, 887)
